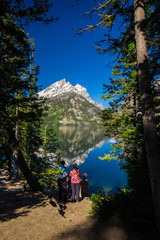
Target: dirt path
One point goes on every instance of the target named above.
(33, 216)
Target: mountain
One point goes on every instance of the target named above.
(76, 142)
(62, 87)
(70, 105)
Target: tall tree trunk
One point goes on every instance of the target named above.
(8, 158)
(16, 135)
(17, 153)
(149, 123)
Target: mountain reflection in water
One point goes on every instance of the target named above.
(83, 145)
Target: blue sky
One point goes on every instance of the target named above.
(61, 53)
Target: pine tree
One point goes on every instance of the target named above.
(15, 52)
(134, 15)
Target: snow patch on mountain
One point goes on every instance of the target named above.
(61, 87)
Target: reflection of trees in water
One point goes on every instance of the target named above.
(74, 140)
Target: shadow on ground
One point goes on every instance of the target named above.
(103, 229)
(13, 199)
(11, 204)
(96, 228)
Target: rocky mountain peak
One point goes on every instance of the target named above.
(61, 87)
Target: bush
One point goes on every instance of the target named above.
(136, 212)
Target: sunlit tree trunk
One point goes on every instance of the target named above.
(149, 123)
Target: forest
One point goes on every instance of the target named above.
(132, 118)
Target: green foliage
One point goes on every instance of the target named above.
(24, 12)
(49, 142)
(97, 205)
(48, 178)
(49, 172)
(136, 212)
(20, 108)
(58, 156)
(29, 117)
(71, 110)
(108, 157)
(123, 120)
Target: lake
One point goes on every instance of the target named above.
(83, 145)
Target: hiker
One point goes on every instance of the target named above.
(75, 182)
(84, 186)
(62, 182)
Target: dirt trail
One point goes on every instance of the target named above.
(34, 216)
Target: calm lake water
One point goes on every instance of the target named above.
(83, 145)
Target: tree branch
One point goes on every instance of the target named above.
(92, 27)
(97, 8)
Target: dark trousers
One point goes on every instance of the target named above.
(62, 189)
(75, 191)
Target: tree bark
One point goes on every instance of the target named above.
(149, 123)
(17, 154)
(7, 151)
